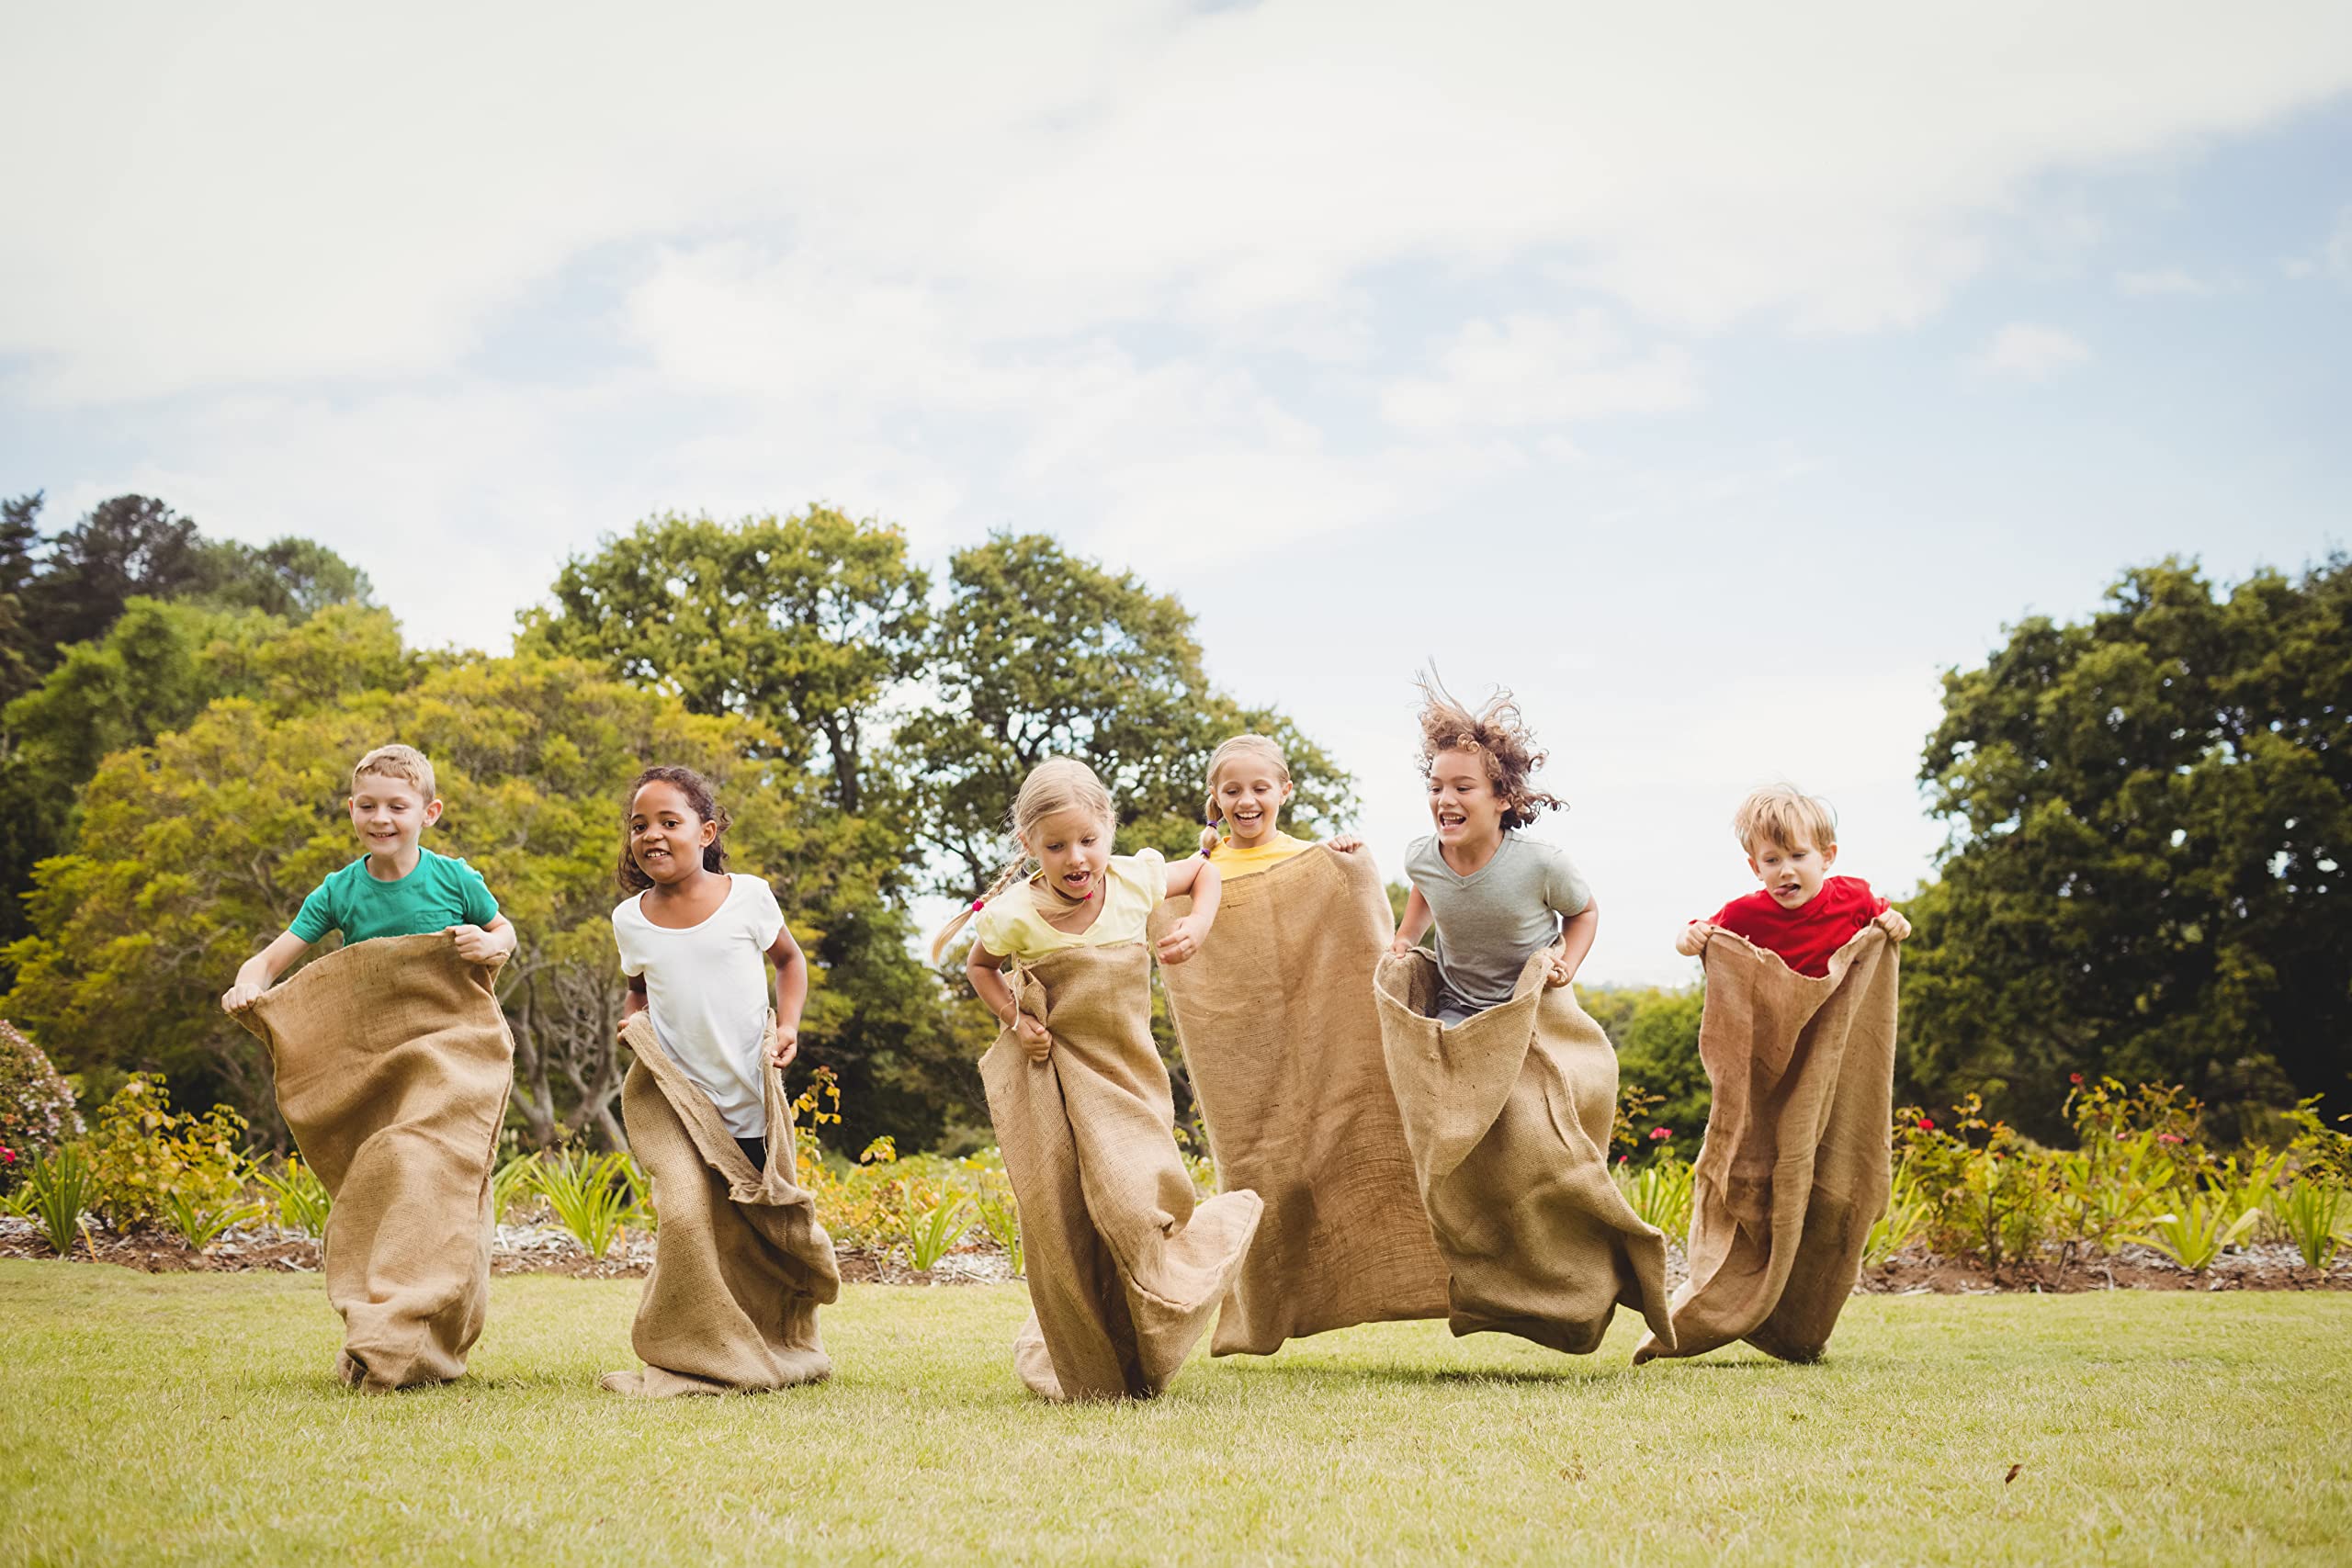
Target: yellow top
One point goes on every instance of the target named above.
(1231, 861)
(1011, 926)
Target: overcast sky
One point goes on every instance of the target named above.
(1714, 380)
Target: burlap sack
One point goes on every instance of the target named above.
(392, 1065)
(739, 1262)
(1124, 1270)
(1508, 1116)
(1795, 1168)
(1281, 1041)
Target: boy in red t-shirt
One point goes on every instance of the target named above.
(1803, 913)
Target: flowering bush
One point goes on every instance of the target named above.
(37, 1111)
(149, 1161)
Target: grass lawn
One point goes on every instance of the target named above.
(194, 1417)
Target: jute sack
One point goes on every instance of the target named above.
(1124, 1270)
(739, 1263)
(1281, 1040)
(1794, 1170)
(392, 1065)
(1508, 1116)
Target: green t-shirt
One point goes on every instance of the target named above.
(441, 891)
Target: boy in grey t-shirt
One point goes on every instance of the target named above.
(1498, 899)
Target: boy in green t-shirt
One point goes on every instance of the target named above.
(399, 889)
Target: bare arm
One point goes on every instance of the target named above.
(1206, 884)
(633, 999)
(260, 972)
(791, 995)
(1575, 940)
(1413, 927)
(985, 970)
(492, 943)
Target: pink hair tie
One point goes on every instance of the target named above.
(978, 904)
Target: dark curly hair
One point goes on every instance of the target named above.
(705, 805)
(1499, 735)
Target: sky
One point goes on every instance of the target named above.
(1713, 377)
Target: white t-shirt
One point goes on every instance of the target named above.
(707, 989)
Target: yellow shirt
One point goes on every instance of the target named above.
(1011, 926)
(1231, 861)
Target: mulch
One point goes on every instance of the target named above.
(546, 1249)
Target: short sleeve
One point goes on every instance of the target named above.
(766, 915)
(317, 916)
(1151, 870)
(996, 926)
(1564, 887)
(632, 961)
(474, 895)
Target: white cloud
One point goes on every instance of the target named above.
(1538, 371)
(2027, 352)
(285, 193)
(2162, 281)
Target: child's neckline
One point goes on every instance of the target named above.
(1481, 868)
(1034, 887)
(647, 916)
(367, 869)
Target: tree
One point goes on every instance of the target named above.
(153, 670)
(803, 623)
(291, 578)
(19, 533)
(2149, 821)
(1041, 653)
(1656, 1031)
(193, 849)
(131, 545)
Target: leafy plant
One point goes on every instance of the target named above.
(63, 1185)
(200, 1223)
(2195, 1231)
(301, 1198)
(588, 1196)
(1660, 1193)
(1907, 1213)
(640, 1193)
(144, 1153)
(37, 1110)
(1002, 1219)
(932, 1233)
(2308, 1214)
(512, 1180)
(2251, 1188)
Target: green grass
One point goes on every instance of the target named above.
(192, 1417)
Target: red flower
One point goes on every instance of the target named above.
(1657, 1133)
(8, 1154)
(2074, 1077)
(1926, 1125)
(2167, 1137)
(1623, 1158)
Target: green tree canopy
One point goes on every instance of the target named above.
(2149, 831)
(1040, 653)
(804, 623)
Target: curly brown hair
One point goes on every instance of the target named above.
(705, 805)
(1498, 733)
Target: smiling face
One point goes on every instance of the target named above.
(1463, 802)
(1249, 796)
(1791, 873)
(388, 814)
(666, 835)
(1074, 847)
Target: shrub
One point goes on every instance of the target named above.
(37, 1111)
(2308, 1213)
(303, 1199)
(590, 1195)
(62, 1186)
(145, 1155)
(1660, 1193)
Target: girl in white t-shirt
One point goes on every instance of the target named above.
(696, 942)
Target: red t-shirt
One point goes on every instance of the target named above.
(1805, 936)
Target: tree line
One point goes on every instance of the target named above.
(2146, 811)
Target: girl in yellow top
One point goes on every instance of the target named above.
(1080, 896)
(1249, 787)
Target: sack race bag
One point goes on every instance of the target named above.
(392, 1065)
(1795, 1168)
(1508, 1115)
(739, 1263)
(1124, 1269)
(1281, 1041)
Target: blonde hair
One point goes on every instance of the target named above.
(1499, 736)
(1053, 787)
(1262, 746)
(1784, 815)
(405, 764)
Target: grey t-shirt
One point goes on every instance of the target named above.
(1492, 921)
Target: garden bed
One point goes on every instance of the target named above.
(978, 1260)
